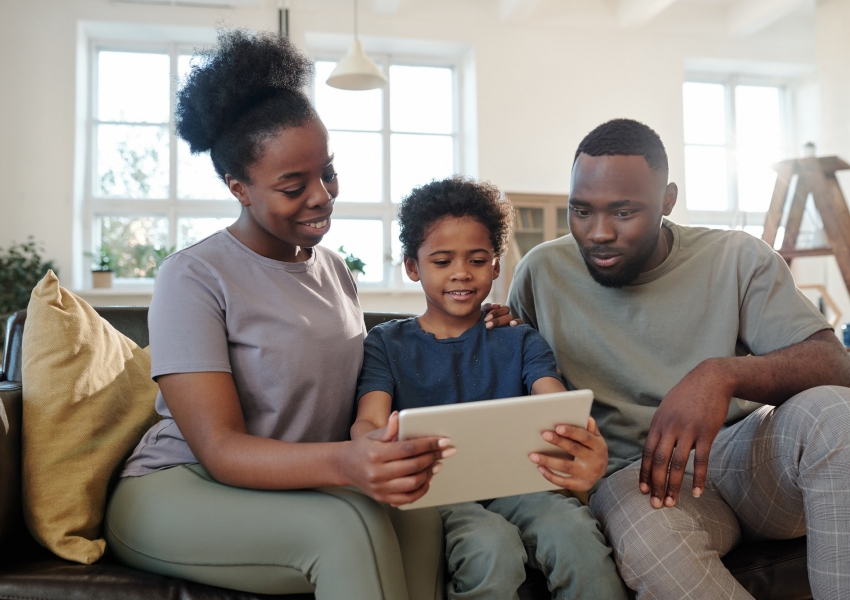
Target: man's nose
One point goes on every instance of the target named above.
(602, 231)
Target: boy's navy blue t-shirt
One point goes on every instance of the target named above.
(417, 369)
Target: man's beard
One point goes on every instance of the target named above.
(628, 271)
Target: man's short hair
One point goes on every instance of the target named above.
(625, 137)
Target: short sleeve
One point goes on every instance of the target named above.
(376, 374)
(521, 294)
(774, 313)
(538, 360)
(188, 333)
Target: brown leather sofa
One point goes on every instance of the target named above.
(774, 570)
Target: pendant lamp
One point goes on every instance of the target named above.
(356, 71)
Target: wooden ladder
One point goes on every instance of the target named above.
(816, 176)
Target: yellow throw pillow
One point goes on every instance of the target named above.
(87, 400)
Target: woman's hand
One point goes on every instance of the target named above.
(589, 452)
(392, 471)
(498, 315)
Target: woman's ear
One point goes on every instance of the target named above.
(238, 189)
(412, 268)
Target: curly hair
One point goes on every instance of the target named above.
(625, 137)
(244, 90)
(454, 197)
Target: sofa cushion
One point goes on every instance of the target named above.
(87, 400)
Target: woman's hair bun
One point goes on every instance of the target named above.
(241, 71)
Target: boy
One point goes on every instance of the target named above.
(453, 233)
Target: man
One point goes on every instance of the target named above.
(679, 331)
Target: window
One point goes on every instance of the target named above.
(386, 142)
(145, 194)
(733, 133)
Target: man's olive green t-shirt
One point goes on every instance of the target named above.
(717, 294)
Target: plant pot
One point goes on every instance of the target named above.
(101, 279)
(356, 275)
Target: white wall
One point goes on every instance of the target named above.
(833, 61)
(541, 86)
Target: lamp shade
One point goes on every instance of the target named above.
(356, 71)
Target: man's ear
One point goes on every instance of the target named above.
(412, 268)
(497, 268)
(671, 194)
(238, 189)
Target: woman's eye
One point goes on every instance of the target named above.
(328, 177)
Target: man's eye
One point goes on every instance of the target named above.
(623, 214)
(580, 211)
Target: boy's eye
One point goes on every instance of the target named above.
(442, 263)
(293, 193)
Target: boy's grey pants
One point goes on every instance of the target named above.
(487, 549)
(781, 473)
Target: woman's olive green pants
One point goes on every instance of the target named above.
(334, 542)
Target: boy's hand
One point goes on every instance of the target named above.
(589, 451)
(395, 472)
(498, 315)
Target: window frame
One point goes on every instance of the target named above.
(733, 217)
(386, 210)
(172, 208)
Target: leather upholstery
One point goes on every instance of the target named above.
(774, 570)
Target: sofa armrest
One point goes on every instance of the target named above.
(11, 518)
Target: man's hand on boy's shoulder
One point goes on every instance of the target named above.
(589, 452)
(498, 315)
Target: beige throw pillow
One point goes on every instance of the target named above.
(87, 400)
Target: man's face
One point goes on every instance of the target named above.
(616, 206)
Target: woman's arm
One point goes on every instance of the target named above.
(206, 408)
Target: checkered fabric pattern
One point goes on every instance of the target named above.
(782, 472)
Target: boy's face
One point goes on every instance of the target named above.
(456, 265)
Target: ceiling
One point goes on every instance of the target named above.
(740, 18)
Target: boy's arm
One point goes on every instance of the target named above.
(586, 446)
(547, 385)
(373, 412)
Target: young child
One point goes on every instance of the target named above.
(453, 233)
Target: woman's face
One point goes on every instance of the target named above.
(288, 203)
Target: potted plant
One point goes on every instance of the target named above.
(160, 253)
(355, 265)
(21, 268)
(101, 271)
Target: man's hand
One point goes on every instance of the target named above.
(589, 452)
(690, 416)
(392, 471)
(498, 315)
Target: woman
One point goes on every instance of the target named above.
(256, 342)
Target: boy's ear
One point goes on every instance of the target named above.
(412, 268)
(497, 268)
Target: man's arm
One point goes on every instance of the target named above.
(692, 413)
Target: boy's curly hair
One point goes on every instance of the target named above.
(454, 197)
(244, 90)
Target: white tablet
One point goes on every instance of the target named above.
(493, 440)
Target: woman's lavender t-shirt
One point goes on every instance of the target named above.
(291, 334)
(417, 369)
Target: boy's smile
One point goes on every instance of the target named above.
(456, 266)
